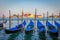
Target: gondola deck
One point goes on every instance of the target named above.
(41, 27)
(29, 27)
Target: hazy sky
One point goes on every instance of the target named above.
(42, 6)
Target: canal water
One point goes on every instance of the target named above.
(22, 36)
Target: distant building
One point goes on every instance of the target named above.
(33, 16)
(55, 16)
(39, 16)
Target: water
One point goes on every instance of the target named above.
(22, 36)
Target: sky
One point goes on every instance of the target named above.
(42, 6)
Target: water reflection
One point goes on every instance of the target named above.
(54, 37)
(28, 36)
(42, 36)
(14, 35)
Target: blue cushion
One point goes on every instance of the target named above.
(14, 28)
(28, 28)
(53, 30)
(42, 29)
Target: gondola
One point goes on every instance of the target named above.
(41, 27)
(15, 29)
(41, 30)
(29, 27)
(51, 29)
(57, 24)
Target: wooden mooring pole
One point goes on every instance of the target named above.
(35, 19)
(52, 18)
(43, 18)
(18, 19)
(9, 19)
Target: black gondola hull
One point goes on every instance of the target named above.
(28, 31)
(8, 31)
(42, 36)
(1, 26)
(53, 34)
(11, 31)
(42, 32)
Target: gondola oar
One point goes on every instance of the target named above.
(40, 26)
(29, 27)
(51, 29)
